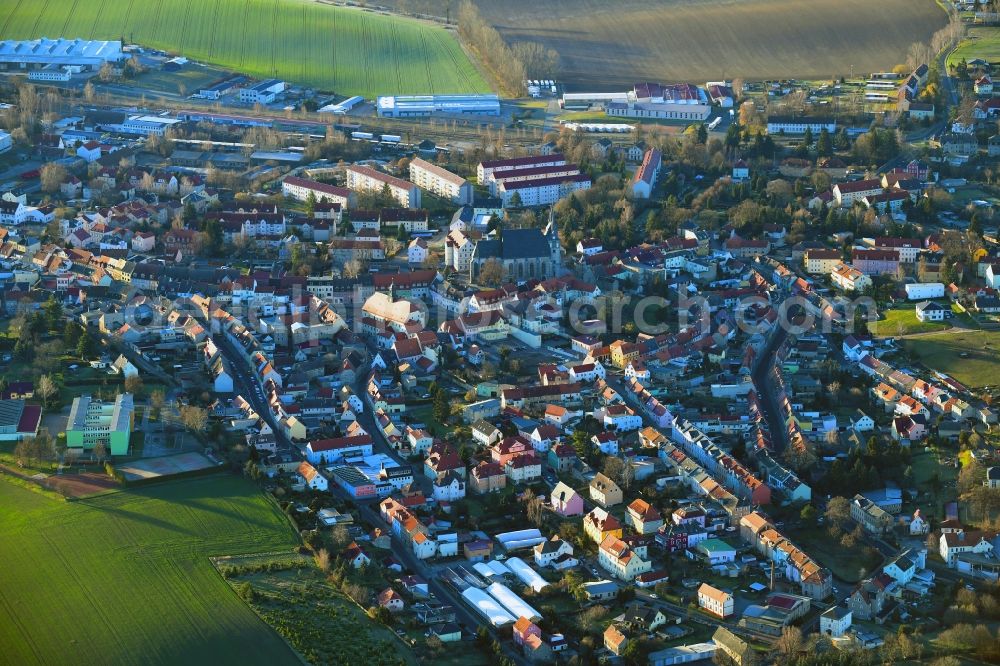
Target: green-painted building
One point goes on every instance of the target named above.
(92, 421)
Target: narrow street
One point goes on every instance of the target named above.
(766, 390)
(247, 386)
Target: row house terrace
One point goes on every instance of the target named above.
(698, 480)
(734, 475)
(816, 581)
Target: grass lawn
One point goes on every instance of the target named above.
(966, 195)
(346, 50)
(971, 357)
(980, 42)
(125, 578)
(594, 117)
(186, 81)
(425, 414)
(845, 563)
(903, 321)
(925, 466)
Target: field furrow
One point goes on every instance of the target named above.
(13, 12)
(98, 10)
(610, 45)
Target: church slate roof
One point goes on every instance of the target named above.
(515, 244)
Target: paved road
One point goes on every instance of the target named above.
(766, 391)
(951, 98)
(247, 386)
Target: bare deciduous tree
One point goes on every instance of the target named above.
(52, 175)
(47, 388)
(322, 558)
(492, 273)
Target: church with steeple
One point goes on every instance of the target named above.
(526, 254)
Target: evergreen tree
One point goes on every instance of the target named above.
(947, 271)
(24, 348)
(53, 313)
(71, 334)
(442, 407)
(86, 346)
(190, 215)
(213, 236)
(732, 136)
(824, 145)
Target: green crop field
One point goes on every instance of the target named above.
(125, 578)
(346, 50)
(610, 45)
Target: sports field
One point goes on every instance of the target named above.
(607, 45)
(346, 50)
(125, 578)
(151, 468)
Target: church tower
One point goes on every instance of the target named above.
(552, 235)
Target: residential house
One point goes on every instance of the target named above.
(621, 560)
(869, 515)
(643, 517)
(615, 641)
(556, 553)
(355, 556)
(850, 279)
(566, 501)
(604, 491)
(311, 478)
(487, 477)
(835, 621)
(391, 600)
(715, 601)
(523, 468)
(599, 525)
(954, 545)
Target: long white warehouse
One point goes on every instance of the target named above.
(488, 607)
(528, 576)
(513, 603)
(498, 568)
(409, 106)
(520, 539)
(571, 100)
(483, 570)
(63, 52)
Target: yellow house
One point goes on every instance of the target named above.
(822, 261)
(599, 525)
(622, 352)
